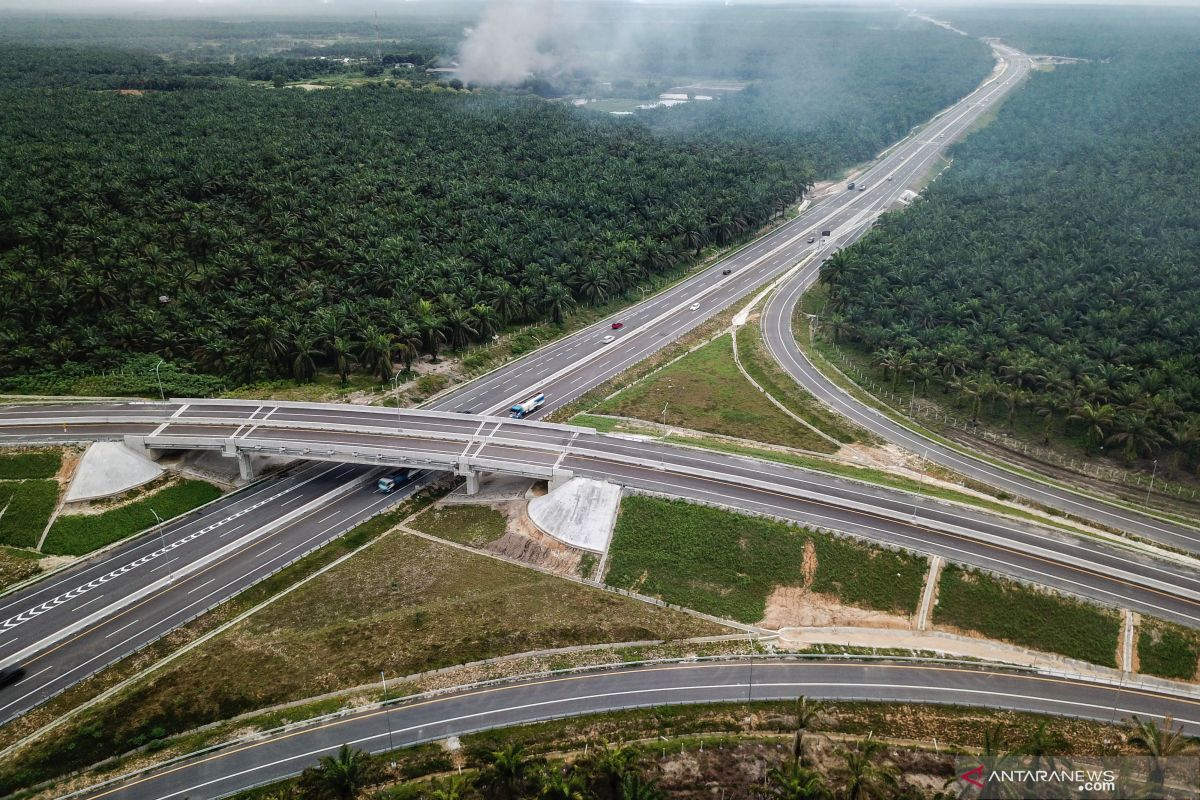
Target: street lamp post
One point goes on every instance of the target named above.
(161, 394)
(750, 683)
(396, 386)
(1150, 488)
(162, 543)
(391, 744)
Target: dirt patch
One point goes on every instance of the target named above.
(523, 541)
(103, 504)
(797, 607)
(809, 564)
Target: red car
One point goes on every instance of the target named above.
(616, 326)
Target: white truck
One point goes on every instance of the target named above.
(522, 410)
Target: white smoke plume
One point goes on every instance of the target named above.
(512, 41)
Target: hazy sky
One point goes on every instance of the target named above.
(274, 7)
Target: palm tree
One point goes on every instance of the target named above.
(376, 352)
(342, 349)
(635, 787)
(807, 713)
(862, 778)
(1096, 419)
(345, 774)
(794, 782)
(1136, 436)
(507, 774)
(456, 787)
(610, 765)
(304, 351)
(1160, 743)
(555, 784)
(1043, 744)
(558, 302)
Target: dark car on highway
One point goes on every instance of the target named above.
(616, 326)
(11, 674)
(726, 271)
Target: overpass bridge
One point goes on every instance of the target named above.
(1111, 572)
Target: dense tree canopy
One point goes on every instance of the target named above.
(254, 232)
(1055, 269)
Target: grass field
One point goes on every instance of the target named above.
(80, 534)
(727, 564)
(705, 391)
(1167, 650)
(474, 526)
(27, 506)
(760, 366)
(30, 464)
(1012, 612)
(404, 605)
(17, 565)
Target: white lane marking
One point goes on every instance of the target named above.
(201, 586)
(123, 627)
(239, 527)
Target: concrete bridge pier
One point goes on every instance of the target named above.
(245, 467)
(138, 445)
(560, 478)
(472, 482)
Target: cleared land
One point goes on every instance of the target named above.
(474, 526)
(704, 390)
(1012, 612)
(1167, 650)
(727, 564)
(404, 605)
(80, 534)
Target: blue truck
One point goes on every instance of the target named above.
(391, 483)
(522, 410)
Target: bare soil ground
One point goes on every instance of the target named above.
(797, 607)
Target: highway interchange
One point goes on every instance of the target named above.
(565, 370)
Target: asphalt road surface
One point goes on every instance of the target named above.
(80, 620)
(573, 365)
(1108, 572)
(285, 754)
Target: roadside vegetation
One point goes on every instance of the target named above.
(1168, 650)
(790, 749)
(17, 565)
(79, 534)
(705, 391)
(405, 605)
(998, 608)
(472, 525)
(25, 508)
(759, 364)
(25, 464)
(728, 564)
(1043, 285)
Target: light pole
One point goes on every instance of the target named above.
(750, 683)
(391, 745)
(161, 394)
(396, 386)
(162, 543)
(665, 411)
(1151, 486)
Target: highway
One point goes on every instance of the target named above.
(564, 370)
(1106, 572)
(71, 625)
(573, 365)
(281, 755)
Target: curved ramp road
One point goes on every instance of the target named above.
(571, 366)
(1105, 572)
(282, 755)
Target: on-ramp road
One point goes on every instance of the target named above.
(281, 755)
